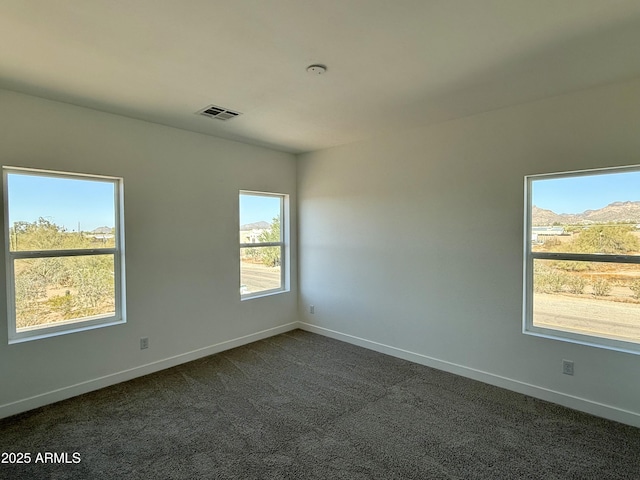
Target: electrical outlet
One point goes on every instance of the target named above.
(567, 367)
(144, 343)
(312, 309)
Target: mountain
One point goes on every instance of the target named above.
(256, 226)
(540, 217)
(615, 212)
(628, 212)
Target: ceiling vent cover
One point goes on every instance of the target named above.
(213, 111)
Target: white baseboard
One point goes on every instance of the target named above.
(559, 398)
(47, 398)
(577, 403)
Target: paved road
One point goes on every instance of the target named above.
(585, 315)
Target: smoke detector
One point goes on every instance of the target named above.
(316, 69)
(220, 113)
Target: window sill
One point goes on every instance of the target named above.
(586, 340)
(55, 331)
(266, 293)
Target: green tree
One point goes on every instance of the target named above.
(43, 234)
(271, 255)
(606, 239)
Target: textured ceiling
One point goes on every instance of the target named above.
(391, 65)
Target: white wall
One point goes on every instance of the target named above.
(411, 244)
(181, 227)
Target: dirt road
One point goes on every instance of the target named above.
(257, 277)
(589, 316)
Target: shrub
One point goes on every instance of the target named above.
(601, 287)
(635, 288)
(549, 281)
(557, 281)
(576, 284)
(62, 304)
(571, 266)
(551, 242)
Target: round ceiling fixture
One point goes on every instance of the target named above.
(316, 69)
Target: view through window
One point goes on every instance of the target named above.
(63, 250)
(262, 258)
(582, 271)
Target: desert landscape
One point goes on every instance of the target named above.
(588, 297)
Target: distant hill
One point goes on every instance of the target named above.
(614, 212)
(542, 217)
(256, 226)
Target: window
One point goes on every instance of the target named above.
(582, 257)
(263, 252)
(64, 252)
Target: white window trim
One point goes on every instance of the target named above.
(283, 244)
(73, 325)
(529, 256)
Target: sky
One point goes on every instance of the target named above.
(591, 192)
(63, 201)
(67, 202)
(254, 208)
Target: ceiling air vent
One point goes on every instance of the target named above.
(220, 113)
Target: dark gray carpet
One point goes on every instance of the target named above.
(302, 406)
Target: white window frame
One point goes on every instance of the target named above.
(283, 244)
(73, 325)
(529, 257)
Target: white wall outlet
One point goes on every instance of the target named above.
(567, 367)
(144, 343)
(312, 309)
